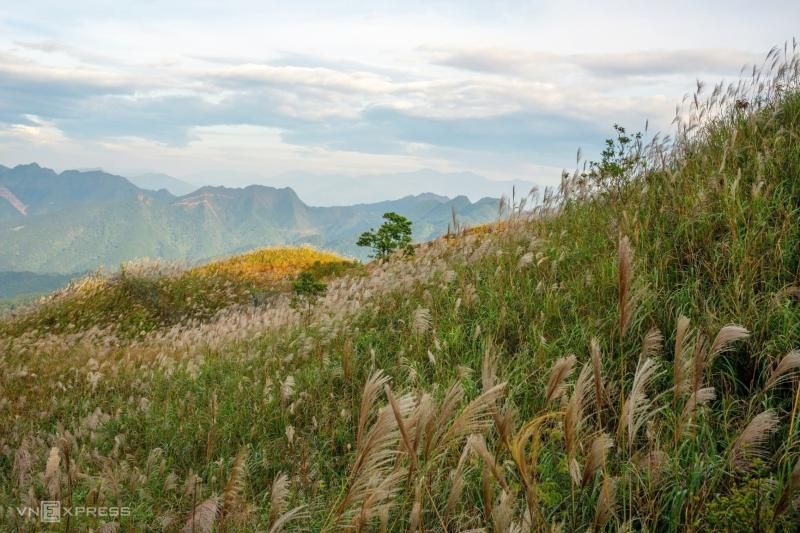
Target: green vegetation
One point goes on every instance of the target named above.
(624, 356)
(394, 234)
(307, 290)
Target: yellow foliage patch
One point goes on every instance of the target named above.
(269, 264)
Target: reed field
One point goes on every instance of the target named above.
(622, 353)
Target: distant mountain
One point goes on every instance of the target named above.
(30, 191)
(335, 189)
(320, 189)
(154, 181)
(77, 221)
(13, 284)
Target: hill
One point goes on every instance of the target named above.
(144, 296)
(79, 221)
(622, 357)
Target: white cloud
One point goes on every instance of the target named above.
(511, 87)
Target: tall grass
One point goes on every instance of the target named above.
(616, 358)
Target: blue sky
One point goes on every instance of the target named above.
(238, 91)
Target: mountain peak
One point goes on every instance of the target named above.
(31, 166)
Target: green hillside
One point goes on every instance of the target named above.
(622, 357)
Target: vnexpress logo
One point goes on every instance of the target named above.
(50, 511)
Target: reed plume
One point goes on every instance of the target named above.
(23, 462)
(421, 321)
(652, 343)
(376, 452)
(52, 474)
(231, 495)
(297, 513)
(638, 407)
(415, 519)
(503, 513)
(372, 388)
(750, 444)
(287, 390)
(597, 375)
(380, 499)
(489, 366)
(476, 417)
(596, 458)
(203, 516)
(725, 338)
(697, 399)
(434, 427)
(784, 369)
(626, 296)
(682, 362)
(477, 444)
(456, 483)
(279, 496)
(411, 451)
(559, 373)
(574, 418)
(526, 458)
(606, 503)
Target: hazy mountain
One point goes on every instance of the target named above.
(28, 191)
(336, 189)
(321, 189)
(13, 284)
(155, 181)
(77, 221)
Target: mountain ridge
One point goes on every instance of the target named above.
(82, 220)
(321, 189)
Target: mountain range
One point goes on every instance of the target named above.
(73, 221)
(326, 189)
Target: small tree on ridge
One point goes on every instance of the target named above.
(394, 234)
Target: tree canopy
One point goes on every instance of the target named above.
(394, 234)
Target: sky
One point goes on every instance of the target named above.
(241, 91)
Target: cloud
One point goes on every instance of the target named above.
(354, 110)
(666, 62)
(490, 60)
(646, 63)
(383, 129)
(27, 88)
(502, 103)
(292, 77)
(52, 46)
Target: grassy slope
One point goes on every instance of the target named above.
(714, 235)
(146, 296)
